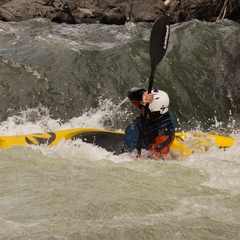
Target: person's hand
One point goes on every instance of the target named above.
(147, 97)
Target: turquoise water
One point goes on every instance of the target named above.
(60, 76)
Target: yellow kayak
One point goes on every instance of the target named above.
(185, 143)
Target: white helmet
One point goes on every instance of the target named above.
(160, 102)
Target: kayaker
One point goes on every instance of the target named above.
(160, 129)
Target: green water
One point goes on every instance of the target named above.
(65, 193)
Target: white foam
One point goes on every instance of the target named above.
(37, 120)
(222, 167)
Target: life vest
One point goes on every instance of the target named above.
(157, 139)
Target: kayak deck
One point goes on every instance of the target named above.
(112, 140)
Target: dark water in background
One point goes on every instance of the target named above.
(79, 76)
(67, 68)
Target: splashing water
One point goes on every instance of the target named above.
(58, 77)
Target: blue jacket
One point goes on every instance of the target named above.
(165, 125)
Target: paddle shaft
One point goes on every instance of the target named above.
(158, 45)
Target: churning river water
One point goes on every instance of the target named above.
(65, 76)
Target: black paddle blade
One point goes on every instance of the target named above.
(158, 47)
(159, 41)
